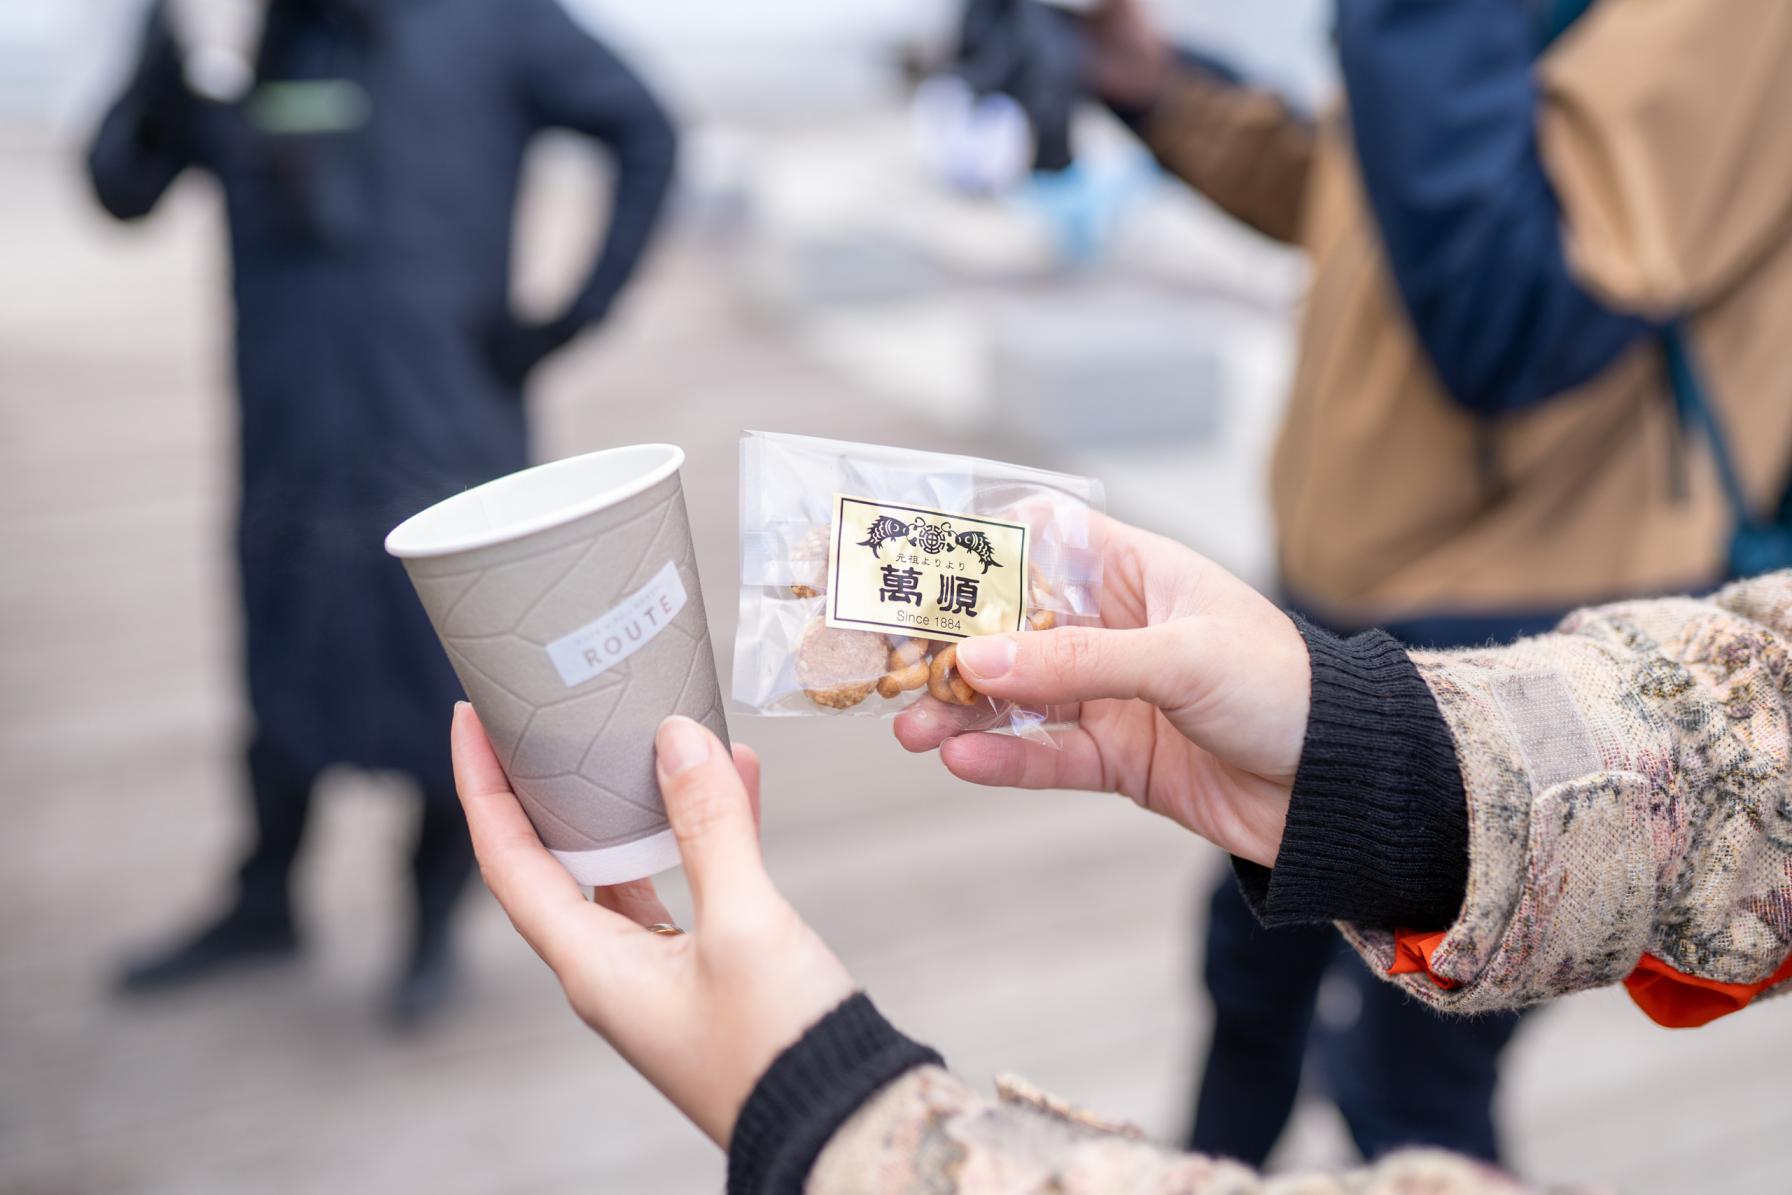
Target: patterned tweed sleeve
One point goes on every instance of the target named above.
(931, 1134)
(1627, 786)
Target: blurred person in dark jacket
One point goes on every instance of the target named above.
(370, 176)
(1482, 435)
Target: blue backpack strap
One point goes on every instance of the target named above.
(1757, 545)
(1696, 411)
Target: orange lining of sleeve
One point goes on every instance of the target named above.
(1681, 1001)
(1412, 955)
(1666, 996)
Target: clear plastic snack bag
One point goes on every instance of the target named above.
(862, 566)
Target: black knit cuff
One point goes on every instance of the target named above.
(1378, 824)
(810, 1090)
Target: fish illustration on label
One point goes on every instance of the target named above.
(978, 545)
(882, 531)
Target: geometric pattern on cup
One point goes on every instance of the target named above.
(579, 758)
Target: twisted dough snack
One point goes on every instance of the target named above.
(1038, 617)
(946, 683)
(809, 560)
(908, 668)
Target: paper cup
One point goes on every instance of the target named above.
(567, 597)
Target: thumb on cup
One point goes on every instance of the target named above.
(710, 811)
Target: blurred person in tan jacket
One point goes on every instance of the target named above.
(1512, 204)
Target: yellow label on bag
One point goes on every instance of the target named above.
(930, 573)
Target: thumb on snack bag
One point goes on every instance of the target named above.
(711, 813)
(1071, 664)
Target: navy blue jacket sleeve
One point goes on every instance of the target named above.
(146, 138)
(1443, 107)
(571, 80)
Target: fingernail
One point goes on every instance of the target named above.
(987, 658)
(681, 745)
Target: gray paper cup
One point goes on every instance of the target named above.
(566, 596)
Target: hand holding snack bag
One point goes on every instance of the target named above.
(862, 568)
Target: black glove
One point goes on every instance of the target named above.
(1033, 52)
(514, 349)
(166, 107)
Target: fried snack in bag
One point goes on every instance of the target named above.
(862, 567)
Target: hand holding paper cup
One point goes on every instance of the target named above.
(566, 596)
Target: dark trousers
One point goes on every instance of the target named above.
(1400, 1073)
(441, 858)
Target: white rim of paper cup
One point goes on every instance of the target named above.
(465, 521)
(620, 864)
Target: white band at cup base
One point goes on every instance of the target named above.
(617, 864)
